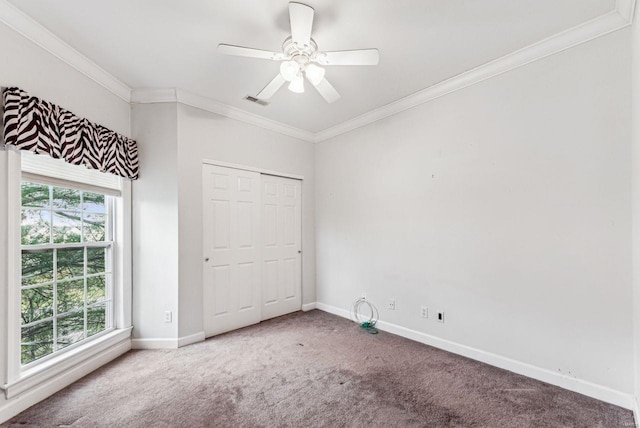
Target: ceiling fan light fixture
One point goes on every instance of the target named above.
(314, 73)
(297, 84)
(289, 70)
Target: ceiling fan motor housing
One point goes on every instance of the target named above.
(300, 54)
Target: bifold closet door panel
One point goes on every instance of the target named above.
(231, 248)
(282, 246)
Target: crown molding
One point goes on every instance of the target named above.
(32, 30)
(619, 18)
(168, 95)
(213, 106)
(626, 9)
(154, 95)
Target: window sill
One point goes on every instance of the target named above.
(37, 375)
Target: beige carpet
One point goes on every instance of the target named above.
(313, 369)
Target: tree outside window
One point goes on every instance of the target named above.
(66, 268)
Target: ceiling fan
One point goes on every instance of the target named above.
(300, 57)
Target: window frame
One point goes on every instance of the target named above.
(19, 379)
(108, 244)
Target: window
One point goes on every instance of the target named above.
(66, 273)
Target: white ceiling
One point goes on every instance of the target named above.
(163, 43)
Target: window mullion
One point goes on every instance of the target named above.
(42, 321)
(82, 218)
(85, 269)
(101, 244)
(108, 278)
(39, 285)
(50, 215)
(86, 261)
(55, 299)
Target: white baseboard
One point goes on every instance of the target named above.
(160, 343)
(590, 389)
(192, 338)
(155, 343)
(23, 401)
(308, 307)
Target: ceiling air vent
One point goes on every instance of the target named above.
(256, 100)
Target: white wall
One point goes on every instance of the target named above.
(173, 139)
(635, 157)
(204, 135)
(29, 67)
(506, 205)
(155, 221)
(43, 75)
(4, 279)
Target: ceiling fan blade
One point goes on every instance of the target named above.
(249, 52)
(356, 57)
(327, 91)
(301, 19)
(271, 88)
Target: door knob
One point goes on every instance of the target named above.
(206, 259)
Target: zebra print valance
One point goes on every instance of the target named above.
(41, 127)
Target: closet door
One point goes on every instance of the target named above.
(231, 248)
(282, 245)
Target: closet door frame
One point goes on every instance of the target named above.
(253, 169)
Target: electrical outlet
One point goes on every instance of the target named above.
(392, 305)
(440, 316)
(167, 316)
(424, 312)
